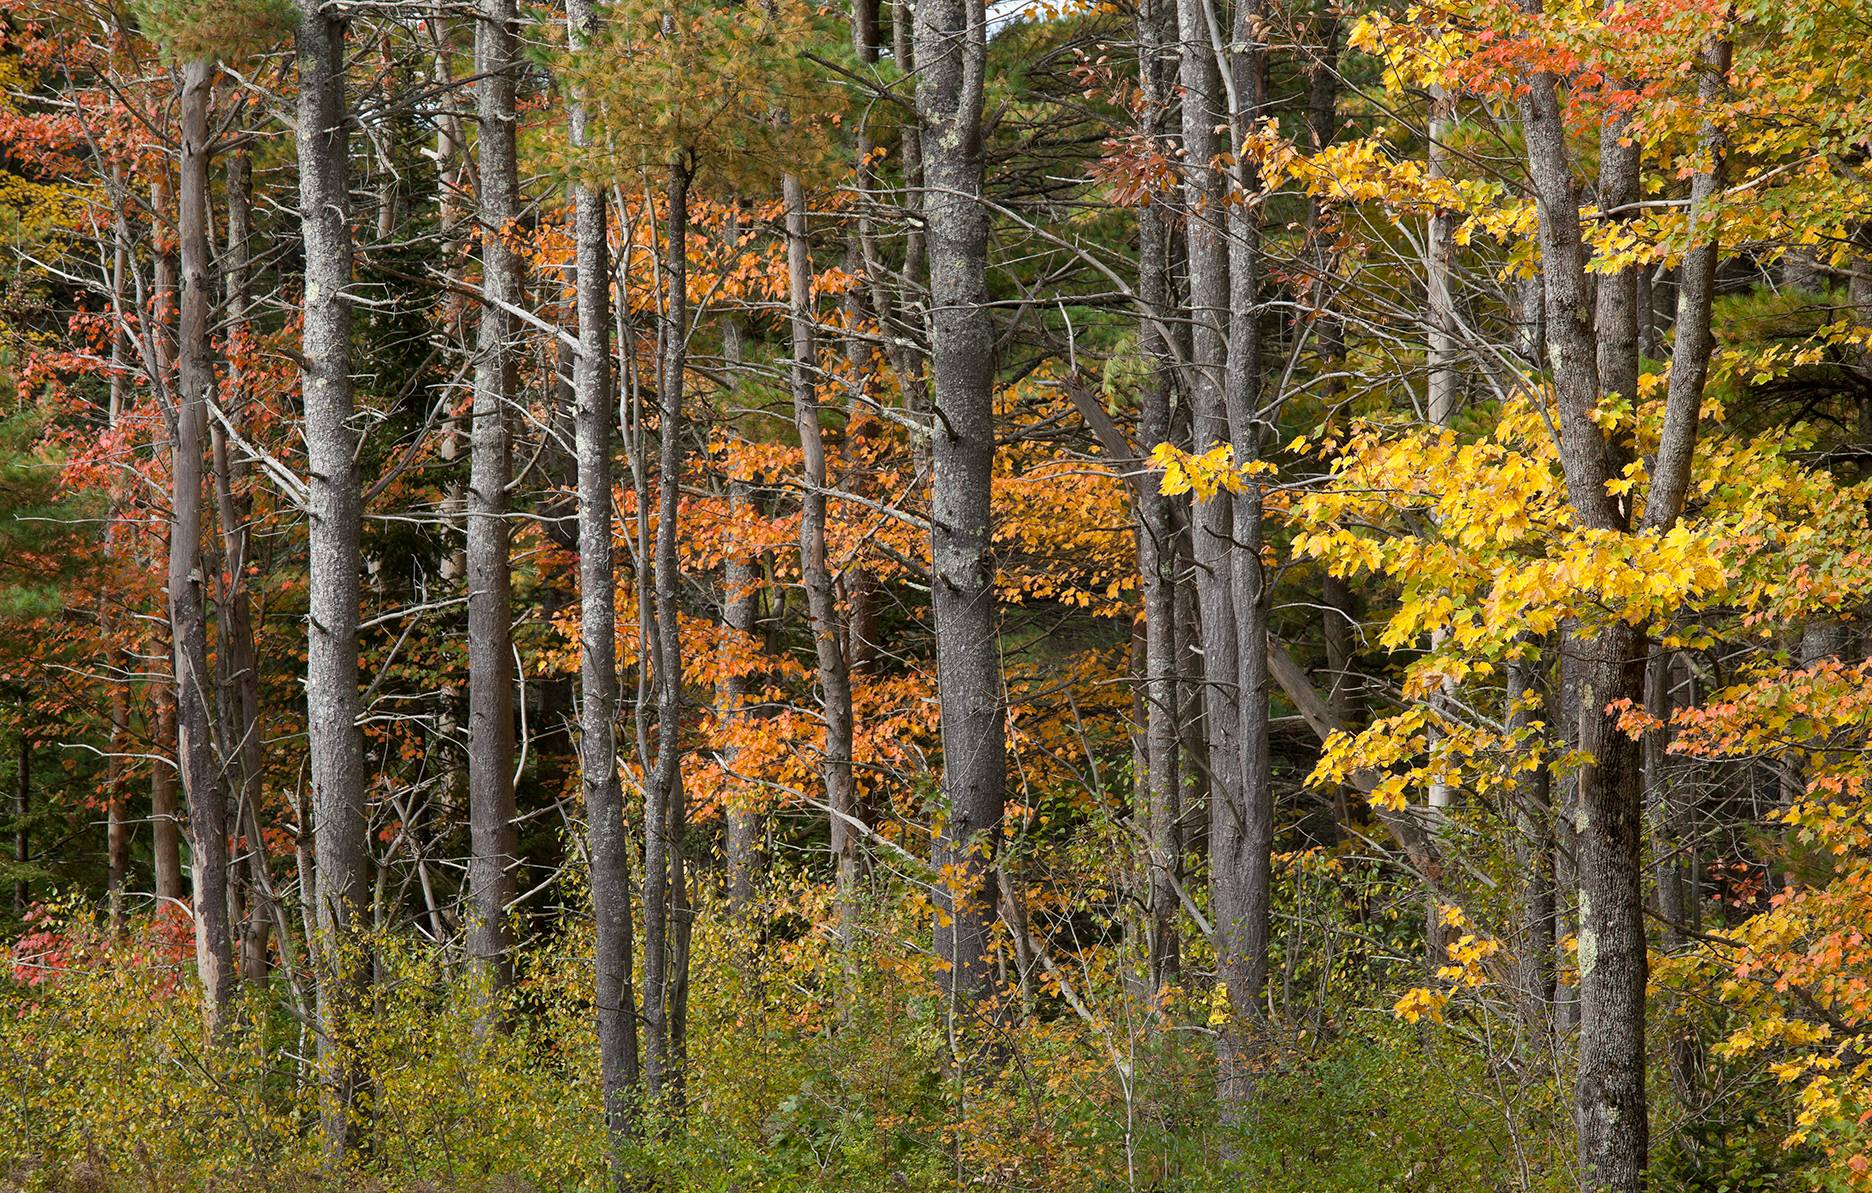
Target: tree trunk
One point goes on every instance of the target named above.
(732, 694)
(1439, 261)
(1696, 292)
(1224, 367)
(22, 833)
(951, 52)
(1610, 1091)
(1195, 771)
(1157, 549)
(1615, 294)
(1609, 1094)
(332, 700)
(1242, 828)
(165, 825)
(835, 699)
(1441, 389)
(491, 875)
(1329, 333)
(604, 800)
(742, 834)
(188, 616)
(1339, 632)
(117, 831)
(454, 248)
(238, 656)
(665, 896)
(1532, 816)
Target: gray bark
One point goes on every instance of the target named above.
(1211, 524)
(340, 829)
(598, 680)
(1615, 317)
(1532, 816)
(238, 656)
(665, 911)
(1696, 289)
(1439, 263)
(491, 869)
(738, 611)
(166, 771)
(165, 825)
(1610, 1106)
(1587, 460)
(835, 698)
(951, 54)
(1610, 1096)
(1241, 832)
(1322, 127)
(202, 776)
(1158, 556)
(1442, 390)
(732, 691)
(1223, 387)
(117, 831)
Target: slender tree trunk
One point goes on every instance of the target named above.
(863, 651)
(1667, 848)
(117, 832)
(166, 768)
(202, 779)
(1439, 264)
(604, 800)
(22, 833)
(1859, 307)
(491, 874)
(1615, 294)
(1565, 801)
(1157, 549)
(1690, 358)
(1442, 390)
(332, 700)
(1660, 799)
(835, 699)
(1696, 292)
(1223, 372)
(165, 825)
(451, 158)
(238, 656)
(732, 696)
(1211, 523)
(1532, 815)
(1196, 770)
(1242, 826)
(951, 52)
(1322, 129)
(913, 377)
(1329, 333)
(665, 896)
(734, 689)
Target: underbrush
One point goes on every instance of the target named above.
(801, 1077)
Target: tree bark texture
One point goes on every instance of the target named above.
(951, 53)
(335, 741)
